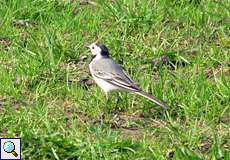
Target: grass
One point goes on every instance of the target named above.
(47, 96)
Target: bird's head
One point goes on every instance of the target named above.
(98, 50)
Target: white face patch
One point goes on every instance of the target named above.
(95, 50)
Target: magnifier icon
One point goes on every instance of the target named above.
(9, 147)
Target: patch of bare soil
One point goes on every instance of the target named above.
(217, 71)
(18, 23)
(72, 113)
(10, 101)
(205, 145)
(5, 43)
(135, 125)
(82, 3)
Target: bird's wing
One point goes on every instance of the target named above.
(118, 79)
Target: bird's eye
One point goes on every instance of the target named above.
(92, 47)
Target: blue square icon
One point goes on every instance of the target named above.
(10, 148)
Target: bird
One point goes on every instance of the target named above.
(110, 76)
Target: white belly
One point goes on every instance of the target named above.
(105, 86)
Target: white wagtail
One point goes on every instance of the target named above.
(111, 77)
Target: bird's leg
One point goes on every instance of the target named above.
(118, 99)
(117, 108)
